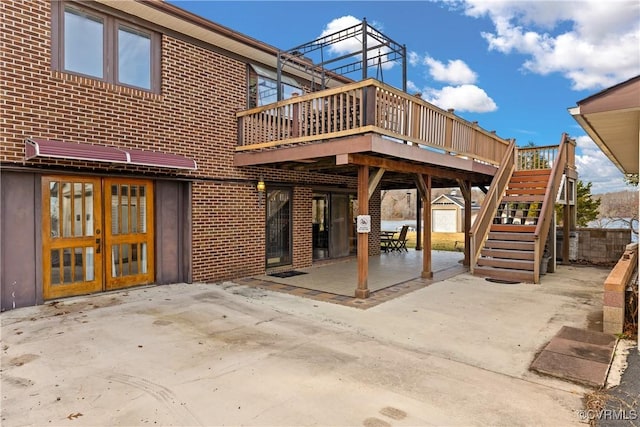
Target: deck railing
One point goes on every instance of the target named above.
(536, 157)
(565, 161)
(366, 106)
(484, 219)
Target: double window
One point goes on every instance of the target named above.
(100, 46)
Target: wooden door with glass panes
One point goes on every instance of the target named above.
(97, 234)
(128, 232)
(71, 236)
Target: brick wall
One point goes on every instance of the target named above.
(194, 115)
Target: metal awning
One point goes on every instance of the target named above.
(35, 147)
(273, 75)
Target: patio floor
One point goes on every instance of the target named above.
(390, 275)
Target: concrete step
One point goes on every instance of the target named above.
(513, 264)
(508, 253)
(504, 274)
(509, 245)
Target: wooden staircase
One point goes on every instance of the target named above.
(509, 251)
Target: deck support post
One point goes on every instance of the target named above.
(465, 189)
(418, 222)
(362, 291)
(426, 218)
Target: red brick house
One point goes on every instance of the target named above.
(134, 136)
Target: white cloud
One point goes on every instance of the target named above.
(454, 72)
(593, 43)
(352, 41)
(463, 98)
(413, 58)
(594, 166)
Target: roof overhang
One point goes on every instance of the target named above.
(35, 147)
(612, 119)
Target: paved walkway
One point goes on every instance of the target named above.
(454, 353)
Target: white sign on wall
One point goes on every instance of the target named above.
(363, 224)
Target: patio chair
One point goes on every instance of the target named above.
(400, 243)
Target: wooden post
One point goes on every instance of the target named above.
(465, 188)
(418, 222)
(295, 128)
(426, 215)
(362, 291)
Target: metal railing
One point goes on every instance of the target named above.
(362, 107)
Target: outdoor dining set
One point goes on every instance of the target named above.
(390, 243)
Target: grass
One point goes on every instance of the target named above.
(440, 241)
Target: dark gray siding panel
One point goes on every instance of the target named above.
(172, 223)
(20, 275)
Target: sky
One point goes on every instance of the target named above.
(515, 66)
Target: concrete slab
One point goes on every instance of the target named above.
(578, 355)
(454, 353)
(571, 368)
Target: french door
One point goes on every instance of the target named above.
(97, 234)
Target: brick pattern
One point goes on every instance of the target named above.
(194, 115)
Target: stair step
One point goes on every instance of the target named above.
(509, 244)
(513, 264)
(508, 254)
(513, 228)
(533, 198)
(504, 274)
(501, 235)
(524, 191)
(532, 172)
(528, 184)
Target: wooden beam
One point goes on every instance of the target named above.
(426, 218)
(374, 180)
(404, 167)
(465, 189)
(362, 291)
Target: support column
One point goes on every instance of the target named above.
(418, 221)
(362, 291)
(426, 217)
(465, 188)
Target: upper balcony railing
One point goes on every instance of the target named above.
(363, 107)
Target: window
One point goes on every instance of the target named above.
(263, 85)
(96, 45)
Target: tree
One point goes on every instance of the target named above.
(586, 206)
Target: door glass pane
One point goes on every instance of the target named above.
(77, 209)
(115, 227)
(89, 267)
(143, 258)
(134, 58)
(125, 260)
(66, 209)
(134, 259)
(66, 265)
(78, 270)
(143, 209)
(278, 231)
(55, 266)
(124, 203)
(88, 209)
(83, 43)
(133, 202)
(115, 261)
(54, 208)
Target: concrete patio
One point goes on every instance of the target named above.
(456, 352)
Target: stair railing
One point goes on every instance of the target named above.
(482, 224)
(547, 210)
